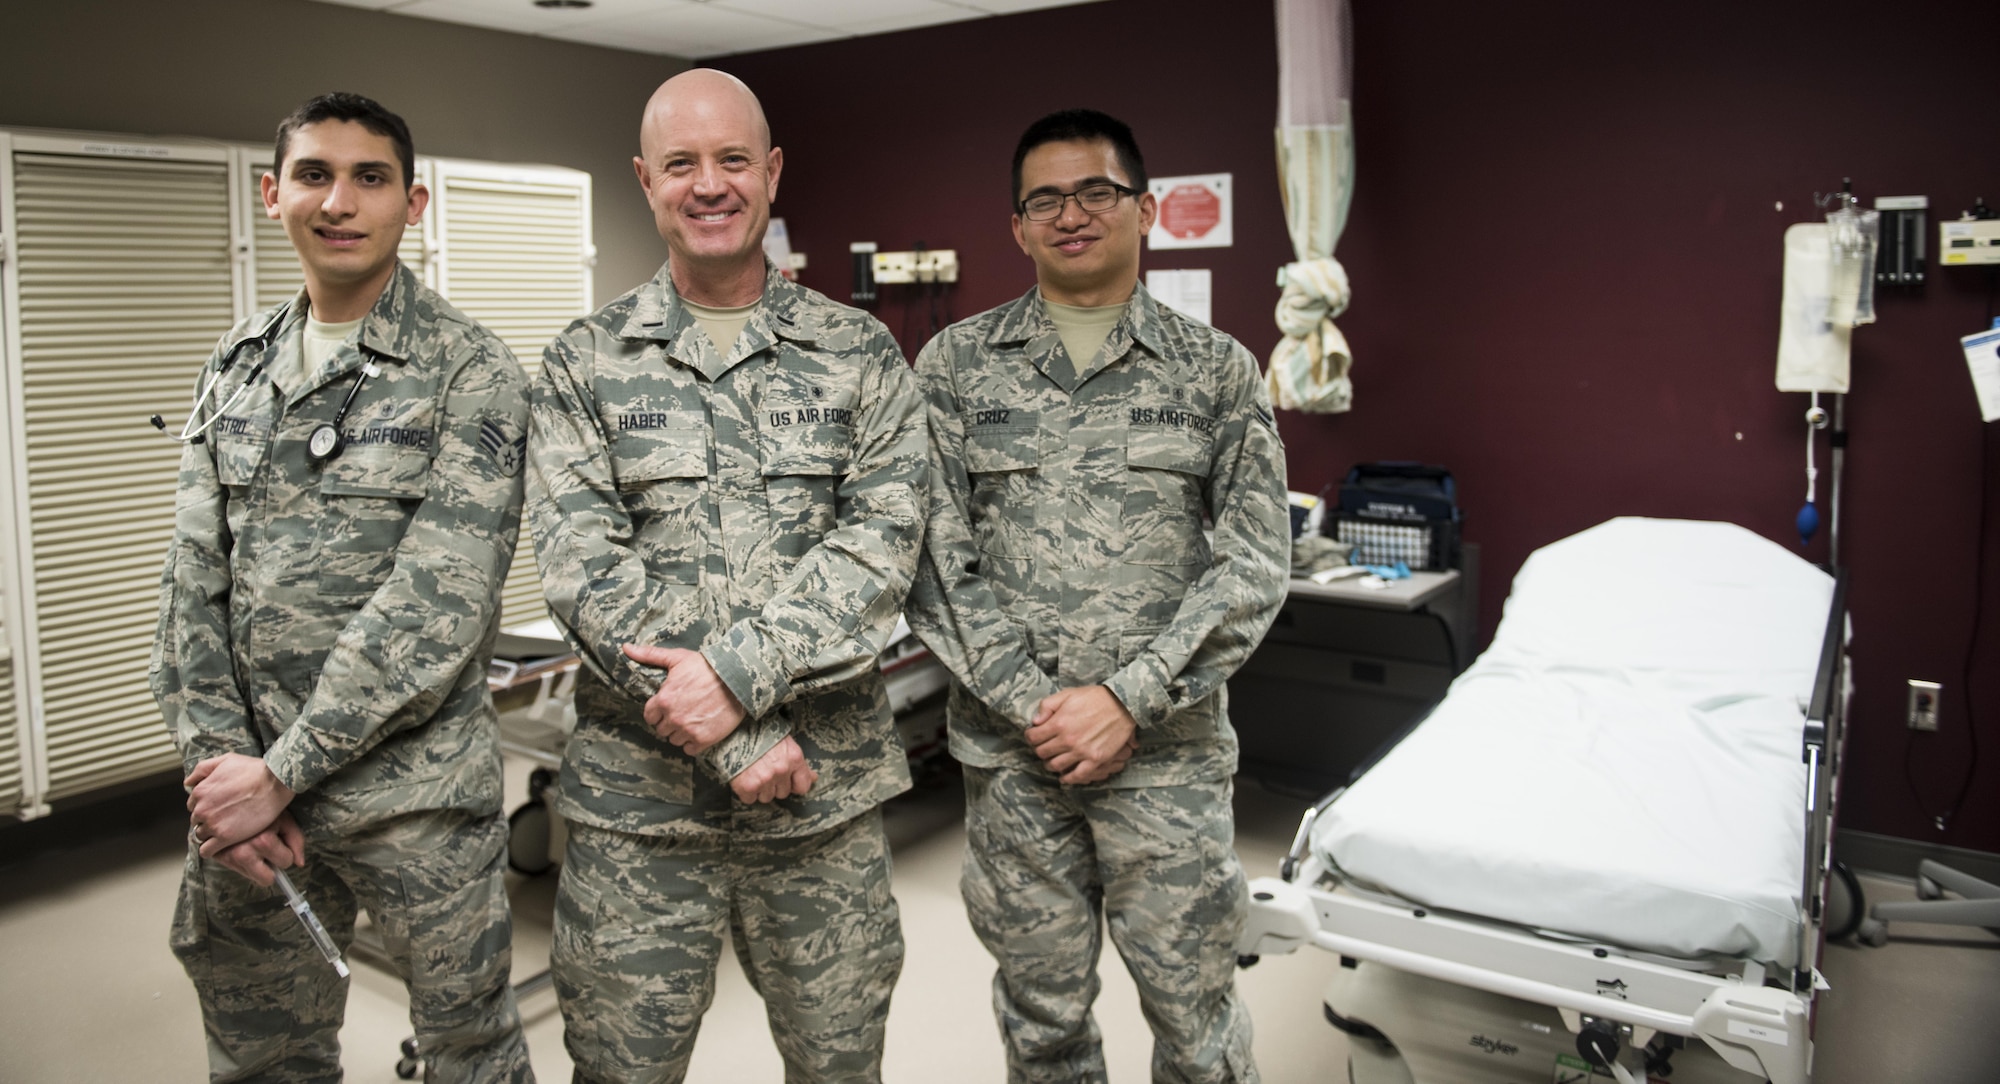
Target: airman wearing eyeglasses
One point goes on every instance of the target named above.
(1081, 435)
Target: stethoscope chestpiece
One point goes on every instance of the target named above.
(326, 442)
(323, 445)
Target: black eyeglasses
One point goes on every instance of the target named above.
(1094, 199)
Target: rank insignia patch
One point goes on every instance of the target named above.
(509, 451)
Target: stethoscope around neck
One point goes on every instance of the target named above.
(323, 445)
(327, 441)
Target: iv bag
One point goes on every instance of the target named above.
(1852, 234)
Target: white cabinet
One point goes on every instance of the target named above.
(124, 260)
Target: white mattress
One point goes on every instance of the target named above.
(1624, 762)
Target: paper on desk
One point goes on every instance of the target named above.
(1982, 356)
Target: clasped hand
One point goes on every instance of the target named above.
(693, 710)
(1084, 735)
(237, 810)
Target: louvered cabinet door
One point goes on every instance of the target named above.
(124, 285)
(10, 743)
(514, 254)
(13, 743)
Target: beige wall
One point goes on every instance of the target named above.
(230, 69)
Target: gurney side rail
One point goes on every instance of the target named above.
(1753, 1026)
(1821, 746)
(1302, 840)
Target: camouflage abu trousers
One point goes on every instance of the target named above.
(640, 922)
(432, 882)
(1158, 864)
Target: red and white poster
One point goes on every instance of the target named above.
(1194, 212)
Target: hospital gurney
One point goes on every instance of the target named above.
(1606, 851)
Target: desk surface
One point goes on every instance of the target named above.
(1404, 595)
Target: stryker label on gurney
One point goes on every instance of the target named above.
(1774, 1036)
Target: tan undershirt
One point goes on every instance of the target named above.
(321, 342)
(1083, 330)
(722, 325)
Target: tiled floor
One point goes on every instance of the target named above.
(91, 993)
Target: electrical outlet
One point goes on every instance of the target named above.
(1924, 704)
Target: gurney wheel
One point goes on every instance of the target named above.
(1371, 1062)
(539, 781)
(1846, 904)
(528, 839)
(409, 1067)
(1874, 932)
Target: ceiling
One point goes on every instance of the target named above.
(704, 28)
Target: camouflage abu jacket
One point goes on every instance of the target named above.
(1066, 541)
(762, 508)
(338, 621)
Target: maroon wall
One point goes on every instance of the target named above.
(1566, 257)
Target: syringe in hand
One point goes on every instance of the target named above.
(307, 919)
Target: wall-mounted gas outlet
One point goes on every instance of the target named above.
(864, 272)
(1924, 704)
(928, 265)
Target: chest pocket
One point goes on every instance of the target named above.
(1003, 462)
(1166, 471)
(803, 466)
(369, 494)
(242, 437)
(239, 451)
(660, 475)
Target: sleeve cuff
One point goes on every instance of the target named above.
(195, 753)
(739, 660)
(1038, 687)
(298, 760)
(728, 758)
(1143, 691)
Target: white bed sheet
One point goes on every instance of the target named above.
(1624, 762)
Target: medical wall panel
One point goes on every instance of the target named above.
(125, 283)
(515, 255)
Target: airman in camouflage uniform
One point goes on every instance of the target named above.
(1089, 623)
(325, 630)
(741, 510)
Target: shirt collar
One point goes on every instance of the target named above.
(1025, 321)
(658, 314)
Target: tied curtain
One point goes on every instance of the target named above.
(1309, 368)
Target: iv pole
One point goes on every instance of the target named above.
(1837, 440)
